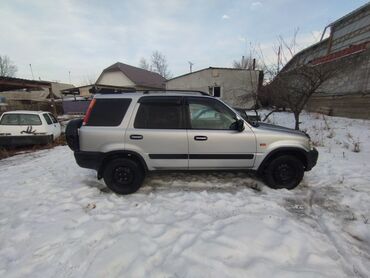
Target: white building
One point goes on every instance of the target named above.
(237, 87)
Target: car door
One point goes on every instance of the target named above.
(158, 132)
(56, 129)
(214, 141)
(49, 124)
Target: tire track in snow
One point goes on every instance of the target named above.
(351, 267)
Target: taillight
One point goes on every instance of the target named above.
(88, 112)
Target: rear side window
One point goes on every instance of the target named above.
(20, 119)
(160, 113)
(47, 119)
(108, 112)
(53, 118)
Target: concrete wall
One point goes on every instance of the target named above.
(352, 30)
(347, 94)
(238, 87)
(352, 75)
(347, 50)
(84, 92)
(350, 106)
(33, 106)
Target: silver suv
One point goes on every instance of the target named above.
(123, 136)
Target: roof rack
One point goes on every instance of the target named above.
(121, 90)
(105, 90)
(174, 91)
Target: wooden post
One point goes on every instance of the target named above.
(52, 102)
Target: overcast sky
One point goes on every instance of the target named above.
(84, 37)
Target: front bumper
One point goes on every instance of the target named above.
(312, 157)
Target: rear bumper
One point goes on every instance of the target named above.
(312, 157)
(25, 140)
(89, 160)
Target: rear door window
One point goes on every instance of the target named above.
(20, 119)
(47, 119)
(108, 112)
(53, 118)
(160, 113)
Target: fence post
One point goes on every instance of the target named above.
(52, 101)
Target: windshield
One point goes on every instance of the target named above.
(20, 119)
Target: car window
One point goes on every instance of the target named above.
(9, 119)
(53, 118)
(209, 114)
(160, 114)
(108, 112)
(20, 119)
(47, 119)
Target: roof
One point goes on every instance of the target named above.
(353, 13)
(140, 77)
(12, 88)
(12, 83)
(25, 95)
(210, 68)
(25, 112)
(75, 90)
(325, 41)
(57, 88)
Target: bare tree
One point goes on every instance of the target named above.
(144, 64)
(294, 88)
(248, 63)
(89, 79)
(7, 67)
(284, 50)
(159, 64)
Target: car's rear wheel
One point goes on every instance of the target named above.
(51, 139)
(123, 176)
(285, 171)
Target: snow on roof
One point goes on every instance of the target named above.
(25, 112)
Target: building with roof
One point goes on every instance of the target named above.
(237, 87)
(123, 75)
(118, 77)
(347, 49)
(26, 94)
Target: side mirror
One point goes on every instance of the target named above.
(240, 125)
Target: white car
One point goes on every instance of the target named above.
(19, 128)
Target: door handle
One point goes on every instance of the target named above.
(136, 137)
(200, 138)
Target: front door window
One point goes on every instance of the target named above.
(210, 114)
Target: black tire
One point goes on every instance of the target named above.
(51, 139)
(285, 171)
(123, 176)
(71, 134)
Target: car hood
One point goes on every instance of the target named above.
(277, 128)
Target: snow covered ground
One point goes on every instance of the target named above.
(57, 220)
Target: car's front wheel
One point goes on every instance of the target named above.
(123, 176)
(285, 171)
